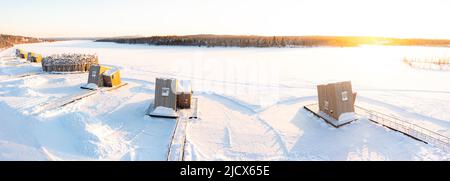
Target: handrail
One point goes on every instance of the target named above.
(406, 127)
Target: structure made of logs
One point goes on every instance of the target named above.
(69, 62)
(431, 63)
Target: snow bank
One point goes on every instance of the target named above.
(10, 151)
(17, 141)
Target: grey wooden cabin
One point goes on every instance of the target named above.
(95, 75)
(165, 93)
(336, 98)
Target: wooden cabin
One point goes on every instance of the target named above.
(111, 77)
(18, 52)
(37, 58)
(184, 94)
(336, 98)
(102, 76)
(23, 55)
(165, 93)
(96, 75)
(34, 57)
(30, 55)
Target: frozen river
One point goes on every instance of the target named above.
(250, 103)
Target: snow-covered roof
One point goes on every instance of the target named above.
(70, 59)
(184, 86)
(165, 78)
(111, 71)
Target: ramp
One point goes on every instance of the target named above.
(178, 143)
(21, 76)
(406, 127)
(61, 102)
(391, 122)
(176, 148)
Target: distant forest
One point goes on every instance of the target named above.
(7, 41)
(272, 41)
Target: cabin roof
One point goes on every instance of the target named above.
(184, 86)
(111, 71)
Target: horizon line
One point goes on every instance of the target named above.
(145, 36)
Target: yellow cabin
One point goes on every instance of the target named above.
(30, 56)
(102, 76)
(37, 58)
(23, 54)
(111, 77)
(96, 74)
(18, 52)
(34, 57)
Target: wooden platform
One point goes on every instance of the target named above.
(314, 108)
(61, 102)
(191, 113)
(107, 89)
(178, 143)
(406, 127)
(21, 76)
(149, 112)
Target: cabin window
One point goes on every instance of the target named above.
(326, 104)
(344, 96)
(165, 92)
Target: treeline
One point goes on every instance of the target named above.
(272, 41)
(7, 41)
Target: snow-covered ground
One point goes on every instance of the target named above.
(250, 104)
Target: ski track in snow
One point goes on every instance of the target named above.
(278, 138)
(113, 145)
(231, 103)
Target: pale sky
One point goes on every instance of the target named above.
(103, 18)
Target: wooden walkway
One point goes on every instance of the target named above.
(20, 76)
(394, 123)
(178, 142)
(433, 63)
(406, 127)
(61, 102)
